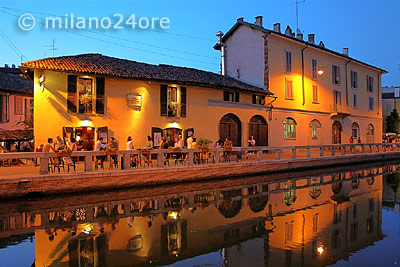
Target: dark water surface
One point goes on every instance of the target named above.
(344, 217)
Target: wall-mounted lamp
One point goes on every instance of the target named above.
(42, 79)
(320, 71)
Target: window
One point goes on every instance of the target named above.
(355, 211)
(389, 107)
(353, 231)
(370, 103)
(354, 79)
(288, 89)
(370, 225)
(3, 108)
(370, 84)
(371, 204)
(314, 125)
(355, 130)
(290, 194)
(259, 99)
(231, 96)
(337, 98)
(289, 128)
(314, 68)
(19, 105)
(315, 222)
(172, 94)
(315, 93)
(85, 95)
(355, 101)
(288, 62)
(335, 74)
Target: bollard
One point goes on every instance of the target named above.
(88, 164)
(44, 165)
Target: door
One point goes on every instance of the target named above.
(258, 128)
(103, 132)
(156, 134)
(336, 133)
(230, 126)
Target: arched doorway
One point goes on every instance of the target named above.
(370, 133)
(230, 126)
(336, 133)
(258, 128)
(355, 130)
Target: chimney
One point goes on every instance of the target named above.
(288, 31)
(311, 38)
(277, 27)
(223, 58)
(300, 36)
(13, 65)
(259, 21)
(345, 51)
(5, 65)
(240, 19)
(321, 44)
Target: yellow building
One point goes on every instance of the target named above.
(323, 96)
(91, 95)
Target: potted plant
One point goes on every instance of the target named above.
(203, 144)
(172, 109)
(111, 151)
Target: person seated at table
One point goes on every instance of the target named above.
(99, 147)
(149, 144)
(59, 143)
(49, 146)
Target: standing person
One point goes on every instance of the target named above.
(359, 140)
(100, 146)
(180, 141)
(129, 144)
(194, 143)
(252, 143)
(189, 142)
(149, 144)
(351, 140)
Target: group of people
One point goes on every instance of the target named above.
(351, 140)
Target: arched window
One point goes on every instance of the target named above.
(370, 133)
(289, 125)
(314, 125)
(355, 130)
(336, 133)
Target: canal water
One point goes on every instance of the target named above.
(343, 217)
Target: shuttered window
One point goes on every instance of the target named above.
(183, 101)
(72, 97)
(163, 99)
(3, 108)
(237, 99)
(100, 95)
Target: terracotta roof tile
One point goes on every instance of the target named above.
(116, 67)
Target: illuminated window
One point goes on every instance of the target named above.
(289, 128)
(314, 68)
(314, 125)
(315, 93)
(259, 99)
(288, 89)
(288, 62)
(85, 95)
(289, 196)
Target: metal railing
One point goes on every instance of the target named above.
(89, 161)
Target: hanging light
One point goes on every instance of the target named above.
(320, 71)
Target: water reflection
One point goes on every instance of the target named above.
(314, 220)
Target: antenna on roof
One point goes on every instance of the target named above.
(297, 14)
(53, 47)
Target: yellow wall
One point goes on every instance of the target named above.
(51, 112)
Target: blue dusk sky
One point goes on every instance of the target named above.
(369, 28)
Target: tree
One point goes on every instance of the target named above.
(393, 122)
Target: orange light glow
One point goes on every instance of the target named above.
(320, 72)
(320, 250)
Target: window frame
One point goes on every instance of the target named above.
(314, 128)
(315, 94)
(288, 61)
(4, 117)
(355, 101)
(371, 107)
(289, 128)
(18, 105)
(314, 69)
(286, 89)
(370, 84)
(354, 79)
(93, 108)
(336, 79)
(258, 99)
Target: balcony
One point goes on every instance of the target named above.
(339, 110)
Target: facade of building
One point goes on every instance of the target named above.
(390, 101)
(16, 108)
(91, 96)
(323, 96)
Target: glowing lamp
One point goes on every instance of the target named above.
(173, 125)
(320, 250)
(320, 71)
(173, 215)
(86, 123)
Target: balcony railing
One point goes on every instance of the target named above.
(89, 161)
